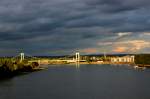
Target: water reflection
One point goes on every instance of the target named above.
(77, 65)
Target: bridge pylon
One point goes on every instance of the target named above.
(77, 57)
(21, 57)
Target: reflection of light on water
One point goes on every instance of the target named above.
(77, 65)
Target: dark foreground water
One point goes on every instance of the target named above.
(85, 82)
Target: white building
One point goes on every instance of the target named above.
(125, 59)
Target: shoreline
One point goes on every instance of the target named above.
(100, 63)
(59, 63)
(10, 74)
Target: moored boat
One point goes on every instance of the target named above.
(139, 67)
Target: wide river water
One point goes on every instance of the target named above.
(84, 82)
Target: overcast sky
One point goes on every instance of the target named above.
(59, 27)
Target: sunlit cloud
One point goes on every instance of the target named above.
(115, 38)
(120, 49)
(89, 50)
(139, 44)
(146, 33)
(104, 43)
(125, 46)
(120, 34)
(131, 46)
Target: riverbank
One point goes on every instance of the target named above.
(143, 65)
(8, 73)
(101, 63)
(61, 63)
(10, 68)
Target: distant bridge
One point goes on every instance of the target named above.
(31, 59)
(26, 57)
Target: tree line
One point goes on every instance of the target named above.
(143, 59)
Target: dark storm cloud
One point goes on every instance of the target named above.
(68, 24)
(116, 6)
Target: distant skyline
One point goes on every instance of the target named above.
(61, 27)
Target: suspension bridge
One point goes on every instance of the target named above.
(21, 57)
(73, 58)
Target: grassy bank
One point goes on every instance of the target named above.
(9, 67)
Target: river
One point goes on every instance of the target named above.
(84, 82)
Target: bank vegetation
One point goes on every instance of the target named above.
(10, 67)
